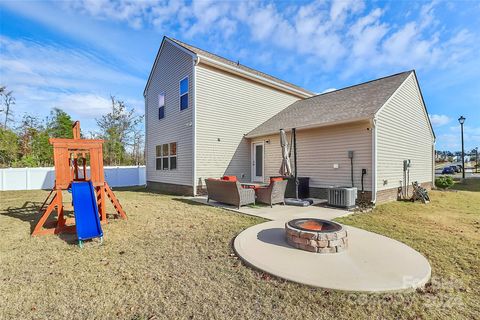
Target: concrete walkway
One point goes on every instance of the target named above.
(281, 212)
(372, 262)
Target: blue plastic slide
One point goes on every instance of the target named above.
(87, 220)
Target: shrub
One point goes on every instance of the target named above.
(444, 182)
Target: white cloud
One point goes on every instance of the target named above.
(345, 32)
(131, 12)
(450, 138)
(328, 90)
(44, 76)
(439, 119)
(84, 105)
(340, 9)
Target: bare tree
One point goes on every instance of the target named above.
(137, 152)
(119, 129)
(7, 101)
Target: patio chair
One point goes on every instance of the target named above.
(273, 194)
(229, 192)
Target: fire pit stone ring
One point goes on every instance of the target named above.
(316, 235)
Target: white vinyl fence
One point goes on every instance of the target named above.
(44, 178)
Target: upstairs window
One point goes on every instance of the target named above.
(184, 93)
(161, 106)
(166, 156)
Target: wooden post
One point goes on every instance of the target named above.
(60, 217)
(103, 206)
(76, 130)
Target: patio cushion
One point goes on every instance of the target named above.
(230, 178)
(254, 187)
(272, 179)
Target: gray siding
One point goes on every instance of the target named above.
(403, 132)
(228, 107)
(173, 65)
(319, 149)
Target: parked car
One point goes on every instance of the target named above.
(455, 168)
(448, 170)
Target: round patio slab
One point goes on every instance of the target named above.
(372, 262)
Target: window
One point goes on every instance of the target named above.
(184, 94)
(161, 106)
(173, 155)
(166, 156)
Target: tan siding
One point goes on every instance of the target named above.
(228, 107)
(173, 65)
(403, 133)
(319, 149)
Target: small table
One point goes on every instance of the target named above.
(253, 185)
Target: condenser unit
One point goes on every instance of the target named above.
(343, 197)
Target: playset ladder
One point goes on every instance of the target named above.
(115, 202)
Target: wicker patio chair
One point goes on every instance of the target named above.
(274, 193)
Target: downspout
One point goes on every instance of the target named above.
(194, 126)
(374, 160)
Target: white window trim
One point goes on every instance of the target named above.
(171, 156)
(158, 157)
(164, 105)
(180, 93)
(168, 157)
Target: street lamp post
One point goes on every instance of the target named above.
(461, 120)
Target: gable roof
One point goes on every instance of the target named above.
(358, 102)
(219, 59)
(232, 66)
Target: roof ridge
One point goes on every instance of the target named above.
(346, 106)
(184, 44)
(360, 84)
(214, 54)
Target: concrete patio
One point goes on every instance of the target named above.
(371, 263)
(280, 212)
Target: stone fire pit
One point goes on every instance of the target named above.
(316, 235)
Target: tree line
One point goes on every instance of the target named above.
(25, 142)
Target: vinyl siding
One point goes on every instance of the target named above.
(320, 148)
(228, 107)
(173, 65)
(403, 132)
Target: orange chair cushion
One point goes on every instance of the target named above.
(276, 179)
(230, 178)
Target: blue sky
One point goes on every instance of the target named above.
(74, 54)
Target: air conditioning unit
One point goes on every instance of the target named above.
(343, 197)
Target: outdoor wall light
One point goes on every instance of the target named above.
(267, 141)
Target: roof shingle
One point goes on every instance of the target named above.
(357, 102)
(231, 63)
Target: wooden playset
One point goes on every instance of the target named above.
(70, 159)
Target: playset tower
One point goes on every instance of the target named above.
(70, 159)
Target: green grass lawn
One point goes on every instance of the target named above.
(174, 260)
